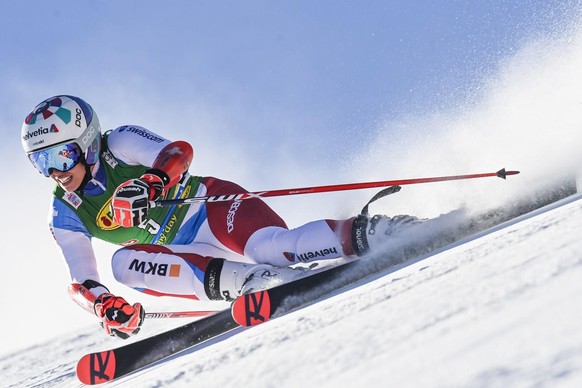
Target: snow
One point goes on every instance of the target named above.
(499, 309)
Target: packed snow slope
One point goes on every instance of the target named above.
(501, 308)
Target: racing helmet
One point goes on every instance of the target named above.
(60, 132)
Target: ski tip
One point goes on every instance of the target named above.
(503, 173)
(96, 368)
(251, 309)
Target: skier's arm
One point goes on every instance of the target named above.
(74, 242)
(135, 145)
(118, 317)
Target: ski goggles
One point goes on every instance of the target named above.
(62, 157)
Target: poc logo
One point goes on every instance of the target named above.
(149, 268)
(85, 139)
(78, 117)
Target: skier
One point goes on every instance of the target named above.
(203, 251)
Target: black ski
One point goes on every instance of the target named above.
(108, 365)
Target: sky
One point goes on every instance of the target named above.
(288, 94)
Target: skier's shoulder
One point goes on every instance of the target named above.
(134, 144)
(132, 133)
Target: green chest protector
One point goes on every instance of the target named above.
(94, 211)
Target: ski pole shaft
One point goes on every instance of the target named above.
(86, 300)
(322, 189)
(178, 314)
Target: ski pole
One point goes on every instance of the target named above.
(86, 300)
(179, 314)
(322, 189)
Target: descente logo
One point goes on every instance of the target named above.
(230, 215)
(40, 131)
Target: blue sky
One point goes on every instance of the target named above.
(333, 68)
(270, 94)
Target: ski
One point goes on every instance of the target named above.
(112, 364)
(108, 365)
(258, 307)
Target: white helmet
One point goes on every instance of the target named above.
(61, 121)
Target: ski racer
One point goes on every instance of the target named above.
(203, 251)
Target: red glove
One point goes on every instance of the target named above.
(118, 317)
(130, 202)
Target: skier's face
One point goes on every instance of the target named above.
(70, 180)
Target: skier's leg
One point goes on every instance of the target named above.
(176, 270)
(325, 239)
(255, 232)
(317, 240)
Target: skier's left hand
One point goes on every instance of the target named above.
(118, 317)
(130, 202)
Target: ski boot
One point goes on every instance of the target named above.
(226, 280)
(369, 233)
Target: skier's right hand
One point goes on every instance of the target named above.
(118, 317)
(130, 201)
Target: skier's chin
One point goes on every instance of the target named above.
(68, 182)
(69, 187)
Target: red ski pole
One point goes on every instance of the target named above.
(179, 314)
(85, 299)
(322, 189)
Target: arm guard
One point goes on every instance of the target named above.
(172, 161)
(85, 294)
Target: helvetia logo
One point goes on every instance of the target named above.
(40, 131)
(308, 256)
